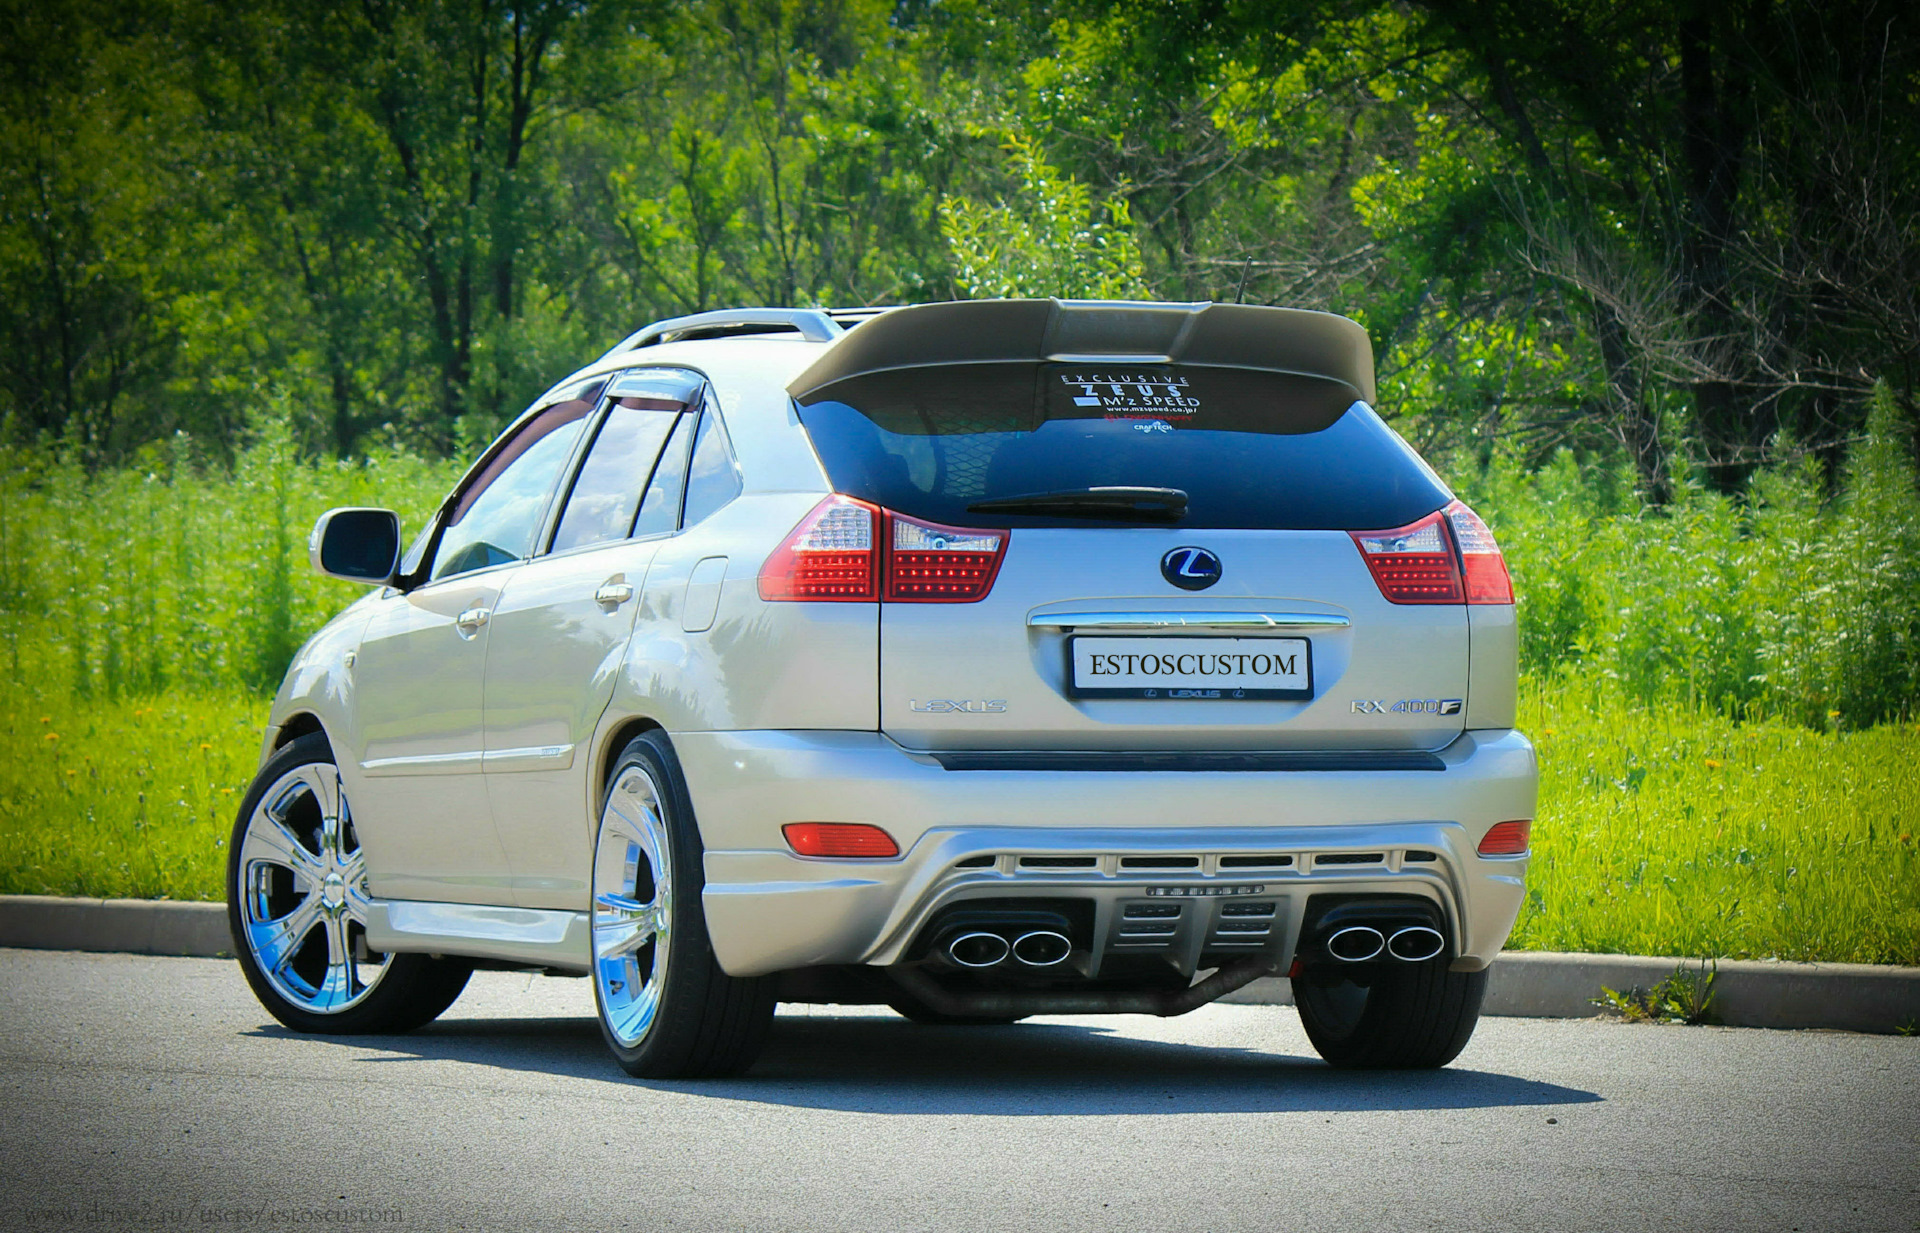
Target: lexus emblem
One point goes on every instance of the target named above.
(1190, 569)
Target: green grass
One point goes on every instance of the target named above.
(130, 799)
(1671, 830)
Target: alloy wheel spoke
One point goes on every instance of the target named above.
(272, 840)
(276, 942)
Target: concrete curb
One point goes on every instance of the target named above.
(132, 926)
(1855, 997)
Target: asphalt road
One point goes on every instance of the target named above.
(154, 1093)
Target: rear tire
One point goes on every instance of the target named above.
(1414, 1016)
(297, 908)
(666, 1008)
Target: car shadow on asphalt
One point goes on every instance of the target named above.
(876, 1064)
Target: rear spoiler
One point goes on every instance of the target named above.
(1286, 340)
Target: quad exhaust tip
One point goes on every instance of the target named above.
(1356, 943)
(1360, 943)
(978, 950)
(1416, 943)
(1042, 948)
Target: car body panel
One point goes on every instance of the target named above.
(1014, 672)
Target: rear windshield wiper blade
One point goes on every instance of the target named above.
(1108, 502)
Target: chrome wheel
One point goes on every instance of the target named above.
(303, 893)
(632, 906)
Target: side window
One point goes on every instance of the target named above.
(660, 508)
(498, 514)
(606, 495)
(714, 478)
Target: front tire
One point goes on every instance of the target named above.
(666, 1008)
(1411, 1016)
(297, 907)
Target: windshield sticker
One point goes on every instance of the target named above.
(1132, 395)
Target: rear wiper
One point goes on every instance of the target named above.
(1109, 502)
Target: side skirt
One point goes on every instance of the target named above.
(534, 937)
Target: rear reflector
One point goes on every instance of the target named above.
(848, 551)
(1507, 838)
(1445, 558)
(855, 839)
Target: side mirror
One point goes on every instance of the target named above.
(359, 545)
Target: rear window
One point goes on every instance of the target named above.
(1256, 450)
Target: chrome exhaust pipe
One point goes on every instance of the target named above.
(978, 950)
(1355, 943)
(1042, 948)
(1415, 944)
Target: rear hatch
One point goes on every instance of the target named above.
(1175, 564)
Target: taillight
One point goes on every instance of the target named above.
(848, 550)
(1447, 557)
(1413, 564)
(1507, 838)
(856, 839)
(1480, 559)
(834, 554)
(930, 563)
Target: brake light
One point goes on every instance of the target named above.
(930, 563)
(1445, 558)
(1507, 838)
(855, 839)
(847, 550)
(832, 555)
(1480, 560)
(1414, 564)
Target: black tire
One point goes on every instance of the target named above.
(1413, 1016)
(667, 1012)
(910, 1007)
(296, 906)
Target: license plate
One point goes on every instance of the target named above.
(1190, 668)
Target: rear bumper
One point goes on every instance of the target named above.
(768, 910)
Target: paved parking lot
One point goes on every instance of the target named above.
(154, 1092)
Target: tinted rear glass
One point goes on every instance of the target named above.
(1250, 449)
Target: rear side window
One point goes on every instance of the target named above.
(1257, 450)
(605, 498)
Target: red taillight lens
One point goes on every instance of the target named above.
(837, 552)
(834, 554)
(1445, 558)
(1414, 564)
(1480, 560)
(855, 839)
(1507, 838)
(930, 563)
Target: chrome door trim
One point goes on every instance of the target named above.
(534, 936)
(425, 764)
(528, 758)
(1187, 620)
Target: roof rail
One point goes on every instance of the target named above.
(813, 324)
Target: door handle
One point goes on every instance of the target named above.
(613, 594)
(470, 621)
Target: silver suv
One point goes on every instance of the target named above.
(982, 660)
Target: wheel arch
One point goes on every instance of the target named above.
(295, 726)
(617, 738)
